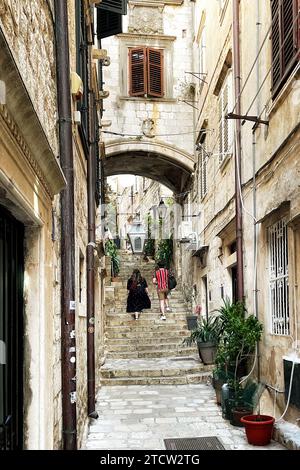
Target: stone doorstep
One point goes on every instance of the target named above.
(287, 434)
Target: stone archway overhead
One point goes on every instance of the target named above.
(157, 160)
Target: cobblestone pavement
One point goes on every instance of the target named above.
(140, 417)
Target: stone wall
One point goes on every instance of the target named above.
(29, 30)
(167, 27)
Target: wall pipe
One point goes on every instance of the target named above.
(91, 186)
(238, 146)
(68, 344)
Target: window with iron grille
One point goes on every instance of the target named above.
(279, 278)
(82, 70)
(225, 125)
(203, 161)
(285, 40)
(146, 72)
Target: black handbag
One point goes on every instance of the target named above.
(172, 283)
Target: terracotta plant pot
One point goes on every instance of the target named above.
(258, 429)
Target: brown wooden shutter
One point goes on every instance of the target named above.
(285, 40)
(276, 29)
(137, 71)
(155, 72)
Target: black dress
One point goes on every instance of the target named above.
(137, 299)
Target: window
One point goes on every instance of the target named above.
(203, 160)
(202, 47)
(146, 72)
(285, 40)
(278, 278)
(109, 17)
(225, 125)
(82, 70)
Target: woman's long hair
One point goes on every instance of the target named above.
(136, 278)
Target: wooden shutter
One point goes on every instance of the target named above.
(137, 71)
(117, 6)
(108, 23)
(285, 40)
(155, 72)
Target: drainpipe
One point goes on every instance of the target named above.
(91, 261)
(238, 203)
(255, 226)
(68, 346)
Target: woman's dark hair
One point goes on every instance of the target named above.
(136, 278)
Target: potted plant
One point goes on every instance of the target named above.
(111, 250)
(259, 428)
(206, 335)
(240, 334)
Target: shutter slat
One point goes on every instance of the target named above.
(137, 71)
(155, 72)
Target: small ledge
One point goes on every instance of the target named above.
(225, 162)
(142, 98)
(140, 36)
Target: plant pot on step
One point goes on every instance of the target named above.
(258, 429)
(207, 352)
(237, 413)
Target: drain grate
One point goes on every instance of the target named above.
(194, 443)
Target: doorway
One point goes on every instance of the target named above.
(11, 331)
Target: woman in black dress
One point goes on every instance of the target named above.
(138, 298)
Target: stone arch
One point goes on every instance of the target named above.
(157, 160)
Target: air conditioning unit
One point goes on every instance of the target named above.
(185, 230)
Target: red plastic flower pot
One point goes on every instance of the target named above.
(258, 429)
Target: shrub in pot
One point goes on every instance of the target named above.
(111, 250)
(206, 336)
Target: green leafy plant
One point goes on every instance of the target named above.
(240, 334)
(164, 252)
(208, 330)
(111, 250)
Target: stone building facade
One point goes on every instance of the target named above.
(269, 177)
(31, 179)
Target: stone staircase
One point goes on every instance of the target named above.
(148, 350)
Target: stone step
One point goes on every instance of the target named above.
(120, 312)
(143, 322)
(144, 347)
(133, 335)
(131, 373)
(202, 377)
(152, 354)
(145, 339)
(154, 328)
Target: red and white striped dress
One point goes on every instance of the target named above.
(162, 277)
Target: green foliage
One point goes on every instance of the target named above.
(240, 334)
(164, 252)
(149, 248)
(209, 330)
(111, 250)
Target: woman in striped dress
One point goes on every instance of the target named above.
(161, 280)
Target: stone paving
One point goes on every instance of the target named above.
(140, 417)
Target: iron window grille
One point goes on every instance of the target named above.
(279, 278)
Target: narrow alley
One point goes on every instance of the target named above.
(149, 226)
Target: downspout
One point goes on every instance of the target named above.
(68, 344)
(255, 227)
(238, 203)
(91, 186)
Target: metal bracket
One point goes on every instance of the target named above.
(245, 118)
